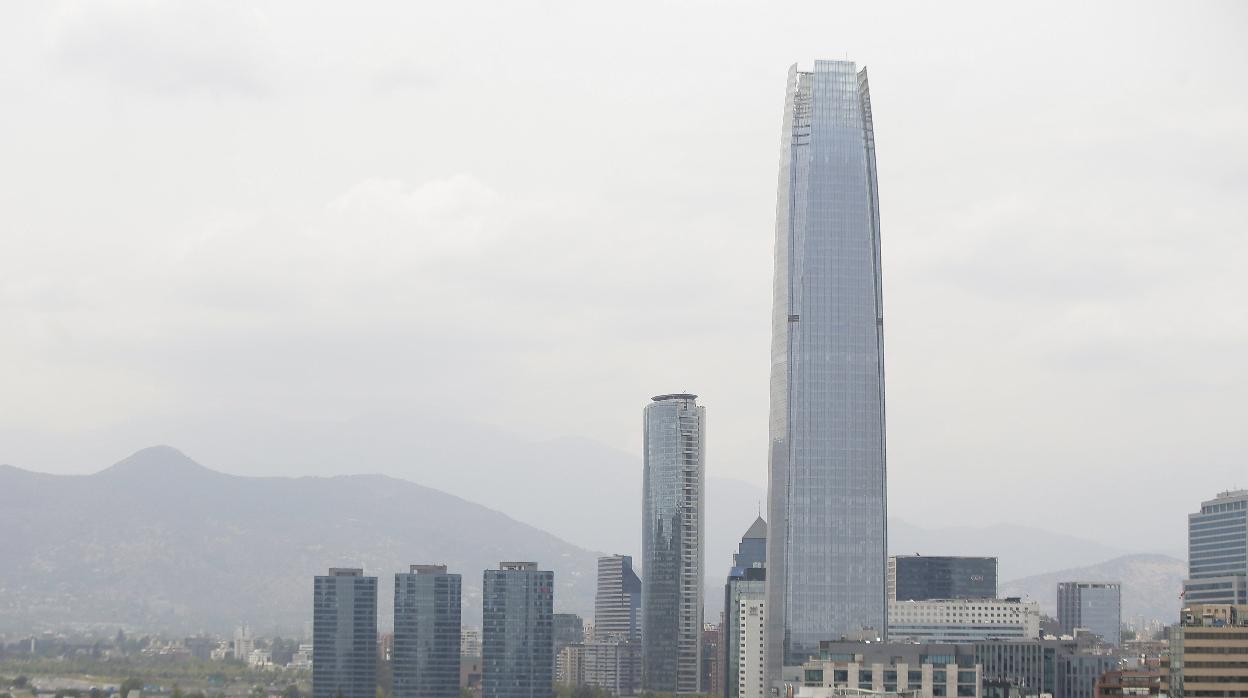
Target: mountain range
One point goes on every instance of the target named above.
(159, 541)
(1150, 585)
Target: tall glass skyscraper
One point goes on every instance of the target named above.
(517, 632)
(425, 658)
(344, 634)
(826, 552)
(672, 503)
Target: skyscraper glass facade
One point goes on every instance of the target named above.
(344, 635)
(1217, 551)
(826, 552)
(425, 658)
(672, 542)
(1095, 606)
(617, 603)
(517, 632)
(922, 577)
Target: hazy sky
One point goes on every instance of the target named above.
(537, 215)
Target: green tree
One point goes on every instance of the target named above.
(20, 682)
(291, 691)
(130, 684)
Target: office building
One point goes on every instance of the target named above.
(1127, 683)
(1217, 551)
(617, 601)
(963, 620)
(344, 635)
(517, 632)
(926, 671)
(923, 577)
(712, 672)
(425, 655)
(568, 629)
(826, 550)
(1094, 606)
(1077, 672)
(672, 542)
(992, 669)
(743, 631)
(1208, 653)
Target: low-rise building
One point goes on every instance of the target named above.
(1130, 682)
(927, 671)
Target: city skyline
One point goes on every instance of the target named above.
(355, 256)
(126, 309)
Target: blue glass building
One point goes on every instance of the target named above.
(344, 635)
(826, 549)
(1095, 606)
(1217, 551)
(425, 658)
(673, 498)
(922, 577)
(517, 632)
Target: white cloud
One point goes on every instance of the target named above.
(213, 47)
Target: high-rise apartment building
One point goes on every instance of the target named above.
(826, 548)
(244, 643)
(744, 601)
(617, 603)
(344, 635)
(425, 659)
(517, 632)
(611, 665)
(672, 543)
(1095, 606)
(923, 577)
(1217, 551)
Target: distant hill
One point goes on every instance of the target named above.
(577, 489)
(1150, 585)
(160, 542)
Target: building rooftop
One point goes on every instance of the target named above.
(674, 396)
(517, 566)
(427, 569)
(757, 530)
